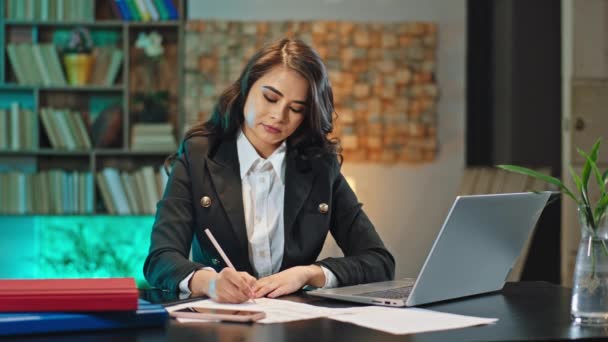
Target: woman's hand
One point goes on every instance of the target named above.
(227, 286)
(232, 286)
(289, 281)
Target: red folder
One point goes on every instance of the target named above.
(36, 295)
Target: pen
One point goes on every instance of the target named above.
(221, 251)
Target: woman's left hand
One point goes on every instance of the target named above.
(286, 282)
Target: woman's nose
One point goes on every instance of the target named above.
(279, 114)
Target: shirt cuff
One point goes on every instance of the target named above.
(183, 285)
(330, 279)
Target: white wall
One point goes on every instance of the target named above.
(406, 203)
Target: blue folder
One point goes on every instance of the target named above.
(20, 323)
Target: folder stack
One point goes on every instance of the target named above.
(55, 305)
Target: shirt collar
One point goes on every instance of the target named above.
(248, 157)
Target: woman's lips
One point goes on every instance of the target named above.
(271, 129)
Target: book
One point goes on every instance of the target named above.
(104, 190)
(43, 295)
(143, 11)
(162, 11)
(102, 61)
(171, 9)
(146, 315)
(123, 10)
(20, 75)
(133, 10)
(117, 192)
(4, 129)
(54, 65)
(52, 131)
(26, 55)
(114, 66)
(41, 65)
(152, 10)
(15, 119)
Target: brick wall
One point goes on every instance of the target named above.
(383, 77)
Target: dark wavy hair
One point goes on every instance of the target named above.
(311, 137)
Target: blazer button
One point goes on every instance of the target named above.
(215, 261)
(323, 208)
(205, 201)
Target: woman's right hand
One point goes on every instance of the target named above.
(227, 286)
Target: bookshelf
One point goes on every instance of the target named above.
(92, 122)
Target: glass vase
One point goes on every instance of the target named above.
(590, 287)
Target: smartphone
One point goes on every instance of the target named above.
(219, 314)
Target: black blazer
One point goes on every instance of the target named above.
(209, 167)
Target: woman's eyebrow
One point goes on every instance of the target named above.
(281, 94)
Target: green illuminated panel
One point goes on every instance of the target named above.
(76, 246)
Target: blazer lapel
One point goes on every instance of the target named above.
(225, 175)
(298, 183)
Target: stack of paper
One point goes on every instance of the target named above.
(390, 320)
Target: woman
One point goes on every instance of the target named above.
(264, 178)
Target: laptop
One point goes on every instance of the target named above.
(473, 253)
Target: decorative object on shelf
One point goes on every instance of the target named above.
(153, 105)
(77, 56)
(106, 131)
(590, 292)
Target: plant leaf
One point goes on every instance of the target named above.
(576, 178)
(586, 206)
(538, 175)
(596, 173)
(587, 167)
(605, 176)
(600, 208)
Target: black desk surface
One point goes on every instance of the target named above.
(526, 311)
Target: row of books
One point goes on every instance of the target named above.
(135, 192)
(36, 64)
(153, 137)
(47, 192)
(144, 10)
(18, 128)
(50, 10)
(108, 60)
(39, 64)
(66, 129)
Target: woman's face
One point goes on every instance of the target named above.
(274, 108)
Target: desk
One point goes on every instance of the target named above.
(526, 311)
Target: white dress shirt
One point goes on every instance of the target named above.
(263, 186)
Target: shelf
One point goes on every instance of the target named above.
(85, 88)
(98, 23)
(73, 215)
(92, 99)
(119, 152)
(44, 152)
(160, 23)
(100, 152)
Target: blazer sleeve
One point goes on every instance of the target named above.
(366, 259)
(167, 263)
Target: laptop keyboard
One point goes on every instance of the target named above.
(396, 293)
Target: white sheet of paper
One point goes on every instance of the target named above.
(277, 311)
(391, 320)
(406, 321)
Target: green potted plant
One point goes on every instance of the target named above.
(77, 56)
(590, 287)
